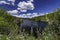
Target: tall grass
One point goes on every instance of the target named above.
(47, 34)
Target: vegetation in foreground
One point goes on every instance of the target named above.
(9, 27)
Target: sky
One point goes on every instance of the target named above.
(29, 8)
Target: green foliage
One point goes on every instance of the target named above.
(53, 20)
(7, 22)
(51, 32)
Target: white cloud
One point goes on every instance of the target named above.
(12, 1)
(24, 6)
(4, 2)
(9, 2)
(30, 0)
(13, 12)
(22, 10)
(29, 15)
(22, 16)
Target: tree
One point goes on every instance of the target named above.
(8, 22)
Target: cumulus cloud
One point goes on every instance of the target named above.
(4, 2)
(29, 15)
(23, 16)
(13, 12)
(22, 10)
(30, 1)
(9, 2)
(12, 1)
(24, 6)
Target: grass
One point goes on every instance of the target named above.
(46, 35)
(49, 33)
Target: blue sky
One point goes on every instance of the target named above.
(29, 8)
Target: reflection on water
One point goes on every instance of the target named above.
(28, 24)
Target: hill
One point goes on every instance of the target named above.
(8, 25)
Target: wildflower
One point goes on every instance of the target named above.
(0, 35)
(7, 38)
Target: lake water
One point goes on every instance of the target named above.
(28, 24)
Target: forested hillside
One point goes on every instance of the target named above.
(9, 27)
(8, 23)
